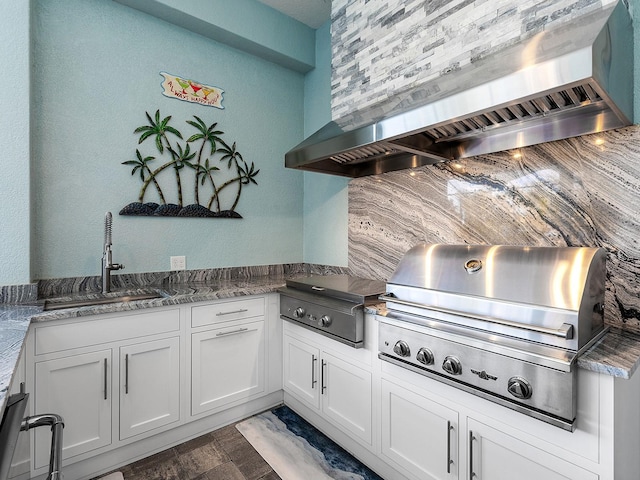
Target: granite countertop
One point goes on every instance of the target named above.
(15, 319)
(617, 353)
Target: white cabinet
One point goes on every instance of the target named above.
(345, 390)
(149, 386)
(21, 455)
(494, 455)
(129, 383)
(110, 377)
(228, 356)
(301, 370)
(228, 364)
(419, 434)
(77, 387)
(340, 390)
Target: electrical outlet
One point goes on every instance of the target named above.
(178, 263)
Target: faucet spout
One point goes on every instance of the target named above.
(107, 260)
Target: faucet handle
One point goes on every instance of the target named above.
(117, 266)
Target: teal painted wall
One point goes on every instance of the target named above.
(15, 212)
(325, 196)
(96, 72)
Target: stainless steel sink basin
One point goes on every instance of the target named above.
(99, 299)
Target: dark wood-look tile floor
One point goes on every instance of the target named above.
(220, 455)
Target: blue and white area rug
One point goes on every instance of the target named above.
(296, 450)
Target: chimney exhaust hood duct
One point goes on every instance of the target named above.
(572, 80)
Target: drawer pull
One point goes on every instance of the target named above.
(232, 332)
(242, 310)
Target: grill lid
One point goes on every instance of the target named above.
(546, 294)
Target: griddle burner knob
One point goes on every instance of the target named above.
(299, 312)
(452, 365)
(519, 387)
(402, 348)
(325, 321)
(425, 356)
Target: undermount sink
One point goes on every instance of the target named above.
(88, 300)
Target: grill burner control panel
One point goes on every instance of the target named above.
(338, 320)
(501, 379)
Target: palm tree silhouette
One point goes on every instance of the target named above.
(207, 135)
(159, 129)
(141, 165)
(245, 173)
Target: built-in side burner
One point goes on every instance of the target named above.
(332, 305)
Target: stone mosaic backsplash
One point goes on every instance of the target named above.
(380, 48)
(583, 191)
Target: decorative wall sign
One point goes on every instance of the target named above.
(209, 190)
(191, 91)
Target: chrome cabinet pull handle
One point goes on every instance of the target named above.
(472, 474)
(126, 374)
(324, 387)
(242, 310)
(313, 371)
(449, 461)
(232, 332)
(105, 378)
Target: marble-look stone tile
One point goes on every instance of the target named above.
(62, 286)
(378, 45)
(226, 471)
(578, 192)
(161, 466)
(17, 294)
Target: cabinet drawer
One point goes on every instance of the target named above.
(53, 338)
(226, 311)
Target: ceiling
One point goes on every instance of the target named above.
(310, 12)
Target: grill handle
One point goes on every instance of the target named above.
(565, 331)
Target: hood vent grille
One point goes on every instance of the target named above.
(542, 106)
(365, 153)
(570, 81)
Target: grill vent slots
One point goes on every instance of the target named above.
(549, 104)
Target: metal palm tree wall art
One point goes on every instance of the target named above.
(209, 184)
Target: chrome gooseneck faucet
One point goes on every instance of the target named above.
(107, 262)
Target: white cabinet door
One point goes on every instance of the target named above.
(346, 396)
(228, 364)
(301, 371)
(79, 389)
(149, 386)
(338, 389)
(494, 455)
(420, 434)
(21, 455)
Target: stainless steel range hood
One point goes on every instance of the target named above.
(572, 80)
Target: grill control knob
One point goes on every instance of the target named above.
(425, 356)
(519, 387)
(325, 321)
(402, 348)
(299, 312)
(452, 365)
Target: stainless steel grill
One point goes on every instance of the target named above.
(331, 305)
(503, 322)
